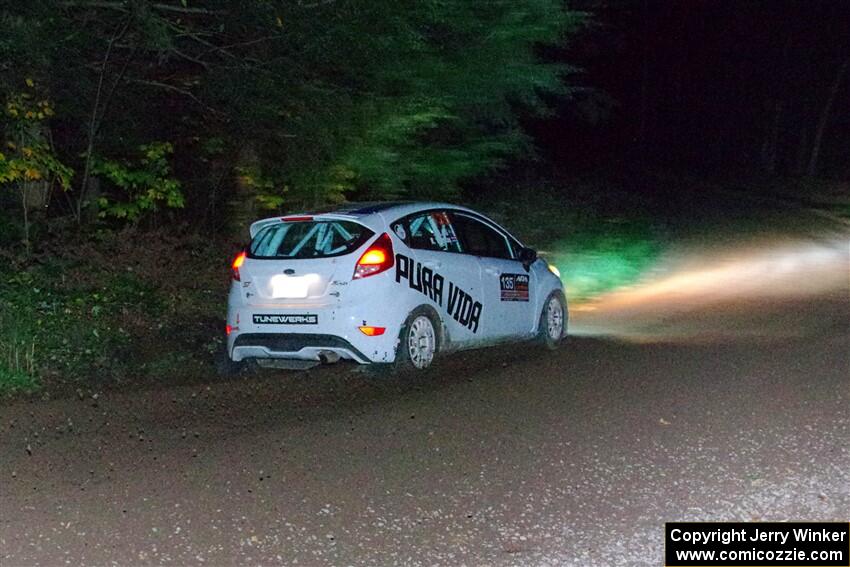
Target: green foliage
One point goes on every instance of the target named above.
(450, 96)
(324, 101)
(144, 187)
(399, 99)
(26, 156)
(267, 193)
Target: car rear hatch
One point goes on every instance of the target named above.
(296, 261)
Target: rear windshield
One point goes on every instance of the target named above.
(309, 239)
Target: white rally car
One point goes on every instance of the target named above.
(387, 283)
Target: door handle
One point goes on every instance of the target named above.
(492, 271)
(432, 264)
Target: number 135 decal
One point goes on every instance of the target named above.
(514, 287)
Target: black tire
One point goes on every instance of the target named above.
(404, 359)
(545, 331)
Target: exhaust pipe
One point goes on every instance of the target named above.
(328, 357)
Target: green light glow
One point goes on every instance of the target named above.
(592, 266)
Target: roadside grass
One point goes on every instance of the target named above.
(17, 369)
(110, 309)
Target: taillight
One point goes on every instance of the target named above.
(372, 331)
(237, 263)
(376, 259)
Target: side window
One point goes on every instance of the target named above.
(480, 239)
(432, 231)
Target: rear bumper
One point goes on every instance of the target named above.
(299, 346)
(328, 325)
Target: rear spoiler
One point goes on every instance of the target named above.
(261, 224)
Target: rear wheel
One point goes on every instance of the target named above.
(553, 320)
(418, 341)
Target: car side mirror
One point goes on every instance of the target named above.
(527, 256)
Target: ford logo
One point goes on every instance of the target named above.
(289, 271)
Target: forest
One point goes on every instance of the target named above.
(124, 112)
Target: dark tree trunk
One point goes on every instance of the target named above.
(825, 114)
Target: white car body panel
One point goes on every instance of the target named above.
(309, 308)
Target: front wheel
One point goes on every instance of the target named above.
(553, 320)
(418, 341)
